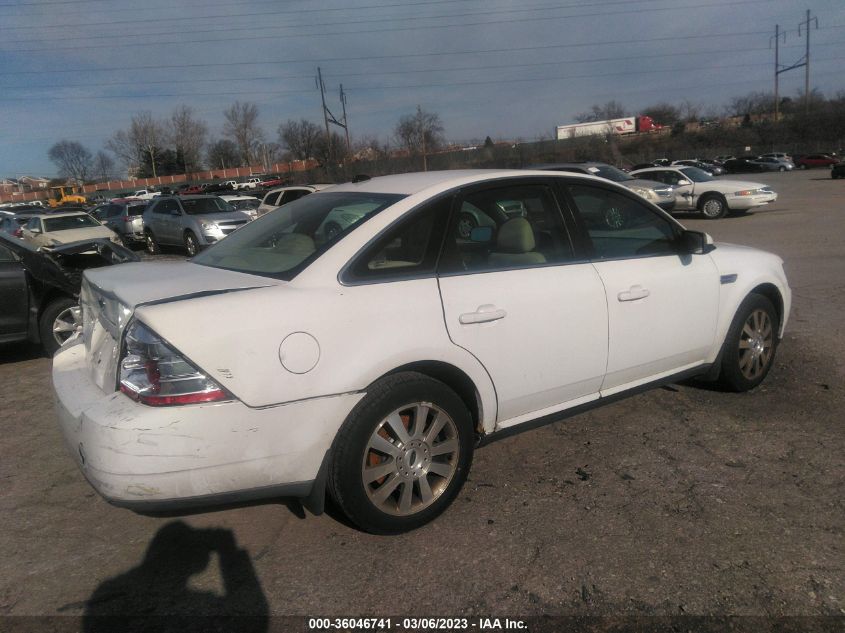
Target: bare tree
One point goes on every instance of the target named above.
(149, 135)
(242, 127)
(663, 113)
(103, 166)
(188, 136)
(610, 110)
(126, 151)
(222, 154)
(421, 133)
(300, 138)
(72, 159)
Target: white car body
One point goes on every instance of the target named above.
(740, 195)
(252, 213)
(250, 183)
(37, 230)
(523, 343)
(280, 196)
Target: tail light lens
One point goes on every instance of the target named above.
(154, 373)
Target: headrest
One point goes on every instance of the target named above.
(515, 236)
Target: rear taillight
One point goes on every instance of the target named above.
(154, 373)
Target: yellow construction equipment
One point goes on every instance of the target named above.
(65, 195)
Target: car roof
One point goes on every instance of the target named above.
(61, 214)
(409, 184)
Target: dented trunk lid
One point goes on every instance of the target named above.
(109, 297)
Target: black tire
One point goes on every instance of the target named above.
(49, 317)
(739, 345)
(713, 206)
(192, 245)
(151, 244)
(352, 452)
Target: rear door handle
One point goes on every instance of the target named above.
(484, 314)
(633, 293)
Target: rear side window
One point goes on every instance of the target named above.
(6, 255)
(411, 247)
(272, 198)
(621, 227)
(293, 194)
(166, 206)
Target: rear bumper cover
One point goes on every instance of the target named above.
(153, 459)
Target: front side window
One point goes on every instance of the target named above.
(282, 243)
(166, 206)
(293, 194)
(514, 226)
(69, 222)
(621, 227)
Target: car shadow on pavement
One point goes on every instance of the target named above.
(156, 596)
(16, 352)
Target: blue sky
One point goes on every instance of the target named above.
(79, 69)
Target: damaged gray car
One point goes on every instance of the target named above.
(39, 288)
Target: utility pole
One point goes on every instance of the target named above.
(776, 39)
(806, 25)
(328, 117)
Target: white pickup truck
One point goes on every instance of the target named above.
(250, 183)
(144, 194)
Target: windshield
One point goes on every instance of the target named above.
(696, 175)
(283, 242)
(203, 206)
(69, 222)
(609, 172)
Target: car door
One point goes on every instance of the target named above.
(14, 297)
(33, 232)
(168, 221)
(516, 297)
(662, 305)
(685, 198)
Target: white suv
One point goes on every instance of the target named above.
(275, 198)
(290, 360)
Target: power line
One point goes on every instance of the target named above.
(112, 46)
(223, 80)
(404, 86)
(323, 60)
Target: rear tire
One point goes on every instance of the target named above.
(750, 345)
(402, 455)
(58, 323)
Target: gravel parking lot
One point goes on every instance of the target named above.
(683, 500)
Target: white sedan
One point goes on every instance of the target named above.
(370, 362)
(696, 190)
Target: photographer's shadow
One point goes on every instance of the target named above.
(155, 595)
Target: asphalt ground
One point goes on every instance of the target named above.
(680, 501)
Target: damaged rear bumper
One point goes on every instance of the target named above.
(152, 459)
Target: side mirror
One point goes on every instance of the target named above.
(481, 234)
(696, 243)
(35, 230)
(682, 182)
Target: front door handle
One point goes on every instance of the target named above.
(633, 293)
(484, 314)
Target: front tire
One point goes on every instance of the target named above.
(191, 244)
(402, 455)
(58, 322)
(713, 206)
(749, 349)
(150, 244)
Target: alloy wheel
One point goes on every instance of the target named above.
(756, 343)
(66, 323)
(410, 459)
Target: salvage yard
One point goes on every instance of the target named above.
(680, 501)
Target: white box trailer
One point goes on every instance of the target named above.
(628, 125)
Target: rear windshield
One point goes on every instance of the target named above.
(69, 222)
(283, 242)
(135, 209)
(203, 206)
